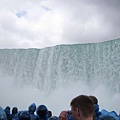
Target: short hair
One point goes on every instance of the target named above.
(83, 103)
(95, 100)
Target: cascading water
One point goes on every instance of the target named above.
(62, 64)
(82, 67)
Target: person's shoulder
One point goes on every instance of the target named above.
(2, 114)
(53, 118)
(107, 118)
(114, 114)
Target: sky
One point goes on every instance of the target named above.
(45, 23)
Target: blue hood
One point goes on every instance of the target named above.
(115, 115)
(42, 112)
(32, 108)
(24, 115)
(2, 114)
(7, 110)
(104, 112)
(14, 110)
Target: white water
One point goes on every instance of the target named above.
(58, 100)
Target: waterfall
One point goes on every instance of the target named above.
(51, 67)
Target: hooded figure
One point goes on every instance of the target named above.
(42, 112)
(24, 115)
(31, 110)
(114, 114)
(97, 112)
(7, 111)
(14, 113)
(14, 110)
(2, 114)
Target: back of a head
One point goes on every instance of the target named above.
(85, 104)
(32, 108)
(42, 111)
(2, 114)
(24, 115)
(95, 100)
(14, 110)
(7, 110)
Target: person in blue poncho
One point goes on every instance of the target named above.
(14, 113)
(103, 114)
(31, 110)
(2, 114)
(112, 114)
(42, 112)
(53, 118)
(24, 115)
(96, 107)
(7, 111)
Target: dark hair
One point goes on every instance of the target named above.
(83, 103)
(95, 100)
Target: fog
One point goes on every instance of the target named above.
(56, 100)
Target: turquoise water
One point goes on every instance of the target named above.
(51, 67)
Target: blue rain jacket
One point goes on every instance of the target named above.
(2, 114)
(32, 109)
(42, 112)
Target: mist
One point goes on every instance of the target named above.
(57, 99)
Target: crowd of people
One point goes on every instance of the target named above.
(83, 107)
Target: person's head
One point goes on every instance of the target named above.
(42, 111)
(95, 100)
(7, 110)
(32, 108)
(82, 108)
(24, 115)
(14, 110)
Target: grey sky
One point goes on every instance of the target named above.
(43, 23)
